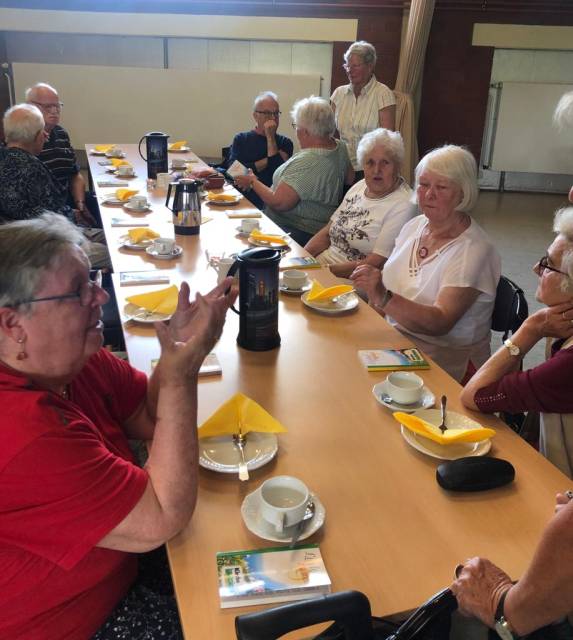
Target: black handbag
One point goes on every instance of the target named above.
(353, 619)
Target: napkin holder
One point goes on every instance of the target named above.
(474, 474)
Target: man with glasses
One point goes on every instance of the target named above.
(27, 187)
(262, 149)
(57, 153)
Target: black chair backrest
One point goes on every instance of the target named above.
(350, 609)
(510, 308)
(353, 621)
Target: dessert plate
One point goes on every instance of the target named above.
(341, 304)
(220, 453)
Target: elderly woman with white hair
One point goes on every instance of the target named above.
(438, 286)
(364, 227)
(307, 188)
(363, 105)
(499, 385)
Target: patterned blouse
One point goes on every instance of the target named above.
(27, 188)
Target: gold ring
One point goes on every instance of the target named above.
(458, 570)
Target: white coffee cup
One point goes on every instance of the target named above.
(248, 225)
(222, 267)
(283, 501)
(115, 152)
(294, 279)
(125, 170)
(404, 387)
(163, 180)
(164, 246)
(138, 202)
(178, 163)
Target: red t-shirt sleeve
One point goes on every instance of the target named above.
(65, 491)
(546, 388)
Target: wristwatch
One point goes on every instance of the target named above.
(513, 349)
(502, 626)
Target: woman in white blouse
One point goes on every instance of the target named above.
(364, 227)
(363, 105)
(438, 285)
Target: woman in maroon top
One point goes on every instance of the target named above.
(499, 385)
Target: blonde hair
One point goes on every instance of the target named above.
(456, 164)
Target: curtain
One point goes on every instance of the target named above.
(409, 71)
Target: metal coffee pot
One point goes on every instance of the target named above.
(186, 206)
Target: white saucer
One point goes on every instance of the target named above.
(220, 454)
(255, 524)
(114, 155)
(130, 207)
(94, 152)
(112, 201)
(126, 243)
(344, 303)
(295, 292)
(138, 314)
(180, 150)
(271, 245)
(177, 251)
(445, 451)
(241, 233)
(426, 401)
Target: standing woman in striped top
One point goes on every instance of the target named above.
(363, 105)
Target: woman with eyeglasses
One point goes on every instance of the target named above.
(363, 105)
(499, 385)
(77, 514)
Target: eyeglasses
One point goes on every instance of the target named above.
(543, 265)
(353, 67)
(269, 114)
(85, 294)
(49, 106)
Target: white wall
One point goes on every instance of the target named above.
(540, 66)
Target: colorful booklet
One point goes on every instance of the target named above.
(392, 359)
(277, 574)
(299, 262)
(128, 278)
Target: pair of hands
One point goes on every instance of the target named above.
(552, 322)
(193, 331)
(369, 279)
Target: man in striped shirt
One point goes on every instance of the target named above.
(58, 154)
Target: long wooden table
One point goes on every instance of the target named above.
(390, 530)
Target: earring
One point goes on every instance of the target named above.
(22, 355)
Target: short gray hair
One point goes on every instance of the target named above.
(390, 141)
(315, 115)
(22, 123)
(28, 248)
(31, 91)
(265, 95)
(456, 164)
(563, 225)
(563, 116)
(363, 50)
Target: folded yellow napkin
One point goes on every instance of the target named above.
(104, 148)
(125, 194)
(175, 146)
(319, 293)
(221, 197)
(428, 430)
(141, 233)
(267, 237)
(161, 301)
(239, 415)
(118, 162)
